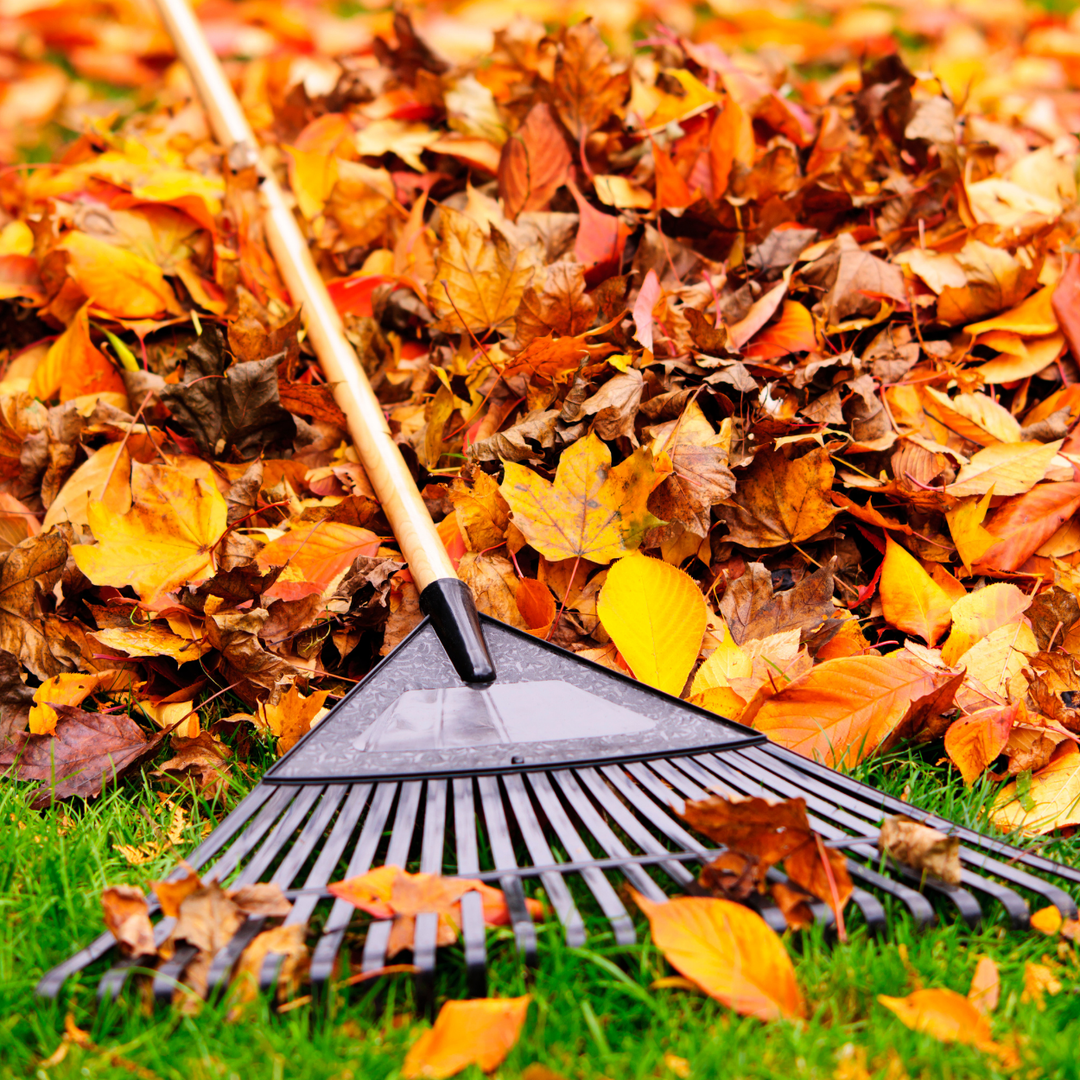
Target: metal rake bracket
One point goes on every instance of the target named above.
(596, 807)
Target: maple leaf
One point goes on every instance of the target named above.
(779, 501)
(479, 278)
(292, 717)
(588, 87)
(593, 510)
(165, 540)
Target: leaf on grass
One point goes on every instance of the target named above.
(480, 1031)
(841, 710)
(1047, 920)
(729, 951)
(910, 598)
(656, 616)
(86, 752)
(127, 918)
(945, 1015)
(1039, 980)
(165, 540)
(921, 847)
(781, 502)
(985, 985)
(593, 510)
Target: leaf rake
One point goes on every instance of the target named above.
(478, 750)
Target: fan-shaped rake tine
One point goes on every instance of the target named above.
(502, 851)
(297, 853)
(329, 854)
(1014, 905)
(982, 852)
(575, 847)
(269, 809)
(473, 932)
(598, 828)
(637, 787)
(602, 791)
(337, 922)
(401, 842)
(51, 982)
(533, 834)
(692, 781)
(293, 805)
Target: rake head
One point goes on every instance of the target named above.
(417, 769)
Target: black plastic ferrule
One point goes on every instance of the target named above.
(449, 604)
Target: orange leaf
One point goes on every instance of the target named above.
(731, 140)
(841, 710)
(534, 162)
(792, 332)
(314, 556)
(537, 606)
(480, 1032)
(910, 598)
(986, 984)
(1022, 525)
(729, 951)
(672, 192)
(600, 238)
(973, 742)
(944, 1014)
(74, 366)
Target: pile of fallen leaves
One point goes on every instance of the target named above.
(742, 358)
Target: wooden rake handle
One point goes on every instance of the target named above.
(443, 597)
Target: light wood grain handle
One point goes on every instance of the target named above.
(389, 475)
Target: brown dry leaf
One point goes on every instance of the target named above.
(588, 86)
(534, 162)
(482, 513)
(841, 710)
(779, 501)
(752, 610)
(729, 951)
(127, 918)
(481, 1031)
(30, 571)
(593, 510)
(171, 893)
(985, 988)
(921, 847)
(86, 752)
(494, 586)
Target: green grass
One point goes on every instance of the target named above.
(593, 1013)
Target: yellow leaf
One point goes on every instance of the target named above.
(944, 1014)
(63, 689)
(696, 97)
(965, 520)
(656, 616)
(1033, 316)
(999, 659)
(1007, 468)
(841, 710)
(780, 501)
(116, 281)
(73, 366)
(164, 541)
(593, 510)
(484, 276)
(1039, 980)
(110, 465)
(480, 1031)
(1047, 921)
(729, 951)
(910, 598)
(1020, 357)
(312, 176)
(726, 662)
(979, 614)
(1052, 802)
(181, 713)
(153, 639)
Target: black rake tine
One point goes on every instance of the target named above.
(337, 922)
(473, 932)
(295, 856)
(502, 849)
(599, 886)
(329, 854)
(425, 936)
(1009, 872)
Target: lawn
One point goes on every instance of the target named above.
(593, 1014)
